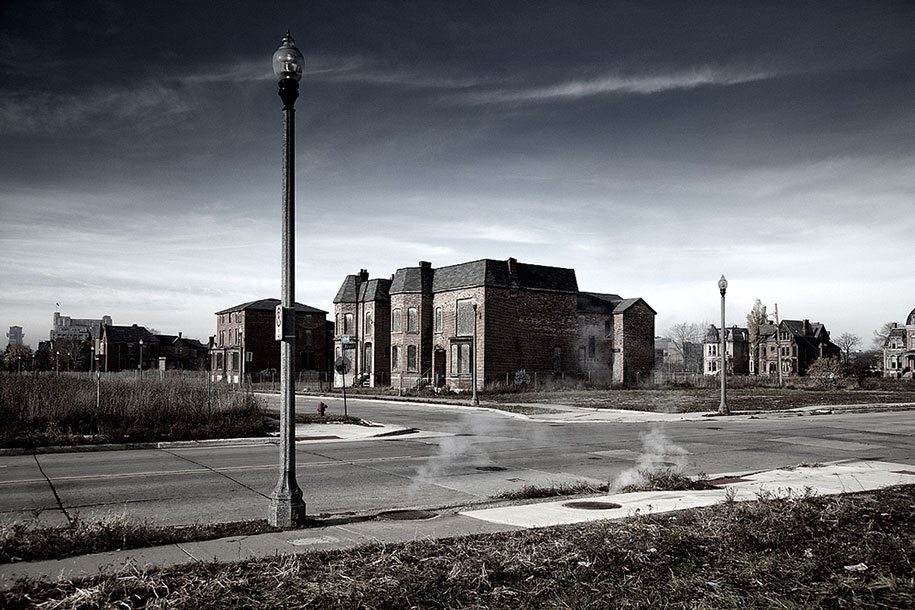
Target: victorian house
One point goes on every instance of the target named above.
(793, 344)
(737, 351)
(899, 349)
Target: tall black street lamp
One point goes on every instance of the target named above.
(473, 361)
(287, 507)
(723, 407)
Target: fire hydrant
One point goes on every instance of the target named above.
(321, 408)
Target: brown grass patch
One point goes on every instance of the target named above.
(788, 553)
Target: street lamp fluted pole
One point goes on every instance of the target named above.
(287, 507)
(474, 400)
(723, 407)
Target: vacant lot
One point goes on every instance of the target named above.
(852, 551)
(681, 400)
(65, 410)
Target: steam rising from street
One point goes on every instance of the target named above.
(658, 453)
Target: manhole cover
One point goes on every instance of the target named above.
(491, 468)
(592, 505)
(407, 515)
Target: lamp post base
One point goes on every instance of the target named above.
(286, 511)
(723, 409)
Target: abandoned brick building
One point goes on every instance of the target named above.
(249, 328)
(795, 344)
(417, 328)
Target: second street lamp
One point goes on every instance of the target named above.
(723, 407)
(474, 400)
(287, 507)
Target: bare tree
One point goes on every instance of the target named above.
(756, 317)
(686, 340)
(847, 342)
(881, 334)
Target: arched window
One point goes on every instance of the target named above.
(439, 321)
(368, 323)
(395, 321)
(348, 324)
(411, 320)
(411, 358)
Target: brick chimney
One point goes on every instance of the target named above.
(806, 327)
(363, 275)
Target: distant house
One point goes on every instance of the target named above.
(249, 328)
(899, 350)
(127, 348)
(737, 354)
(181, 353)
(795, 344)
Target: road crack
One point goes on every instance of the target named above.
(214, 471)
(60, 504)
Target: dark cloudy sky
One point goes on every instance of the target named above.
(650, 146)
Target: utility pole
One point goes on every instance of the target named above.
(778, 346)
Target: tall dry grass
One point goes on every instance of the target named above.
(51, 410)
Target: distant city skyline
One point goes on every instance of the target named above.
(652, 147)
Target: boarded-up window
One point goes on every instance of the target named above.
(464, 318)
(439, 322)
(411, 358)
(460, 359)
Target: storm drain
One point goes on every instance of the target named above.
(592, 505)
(491, 468)
(407, 515)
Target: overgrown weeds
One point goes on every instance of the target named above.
(665, 479)
(23, 541)
(851, 551)
(51, 410)
(533, 492)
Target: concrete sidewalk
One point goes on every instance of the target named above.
(835, 478)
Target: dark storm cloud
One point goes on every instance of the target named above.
(614, 137)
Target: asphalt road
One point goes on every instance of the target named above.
(459, 456)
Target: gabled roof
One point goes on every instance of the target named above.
(595, 302)
(174, 339)
(129, 334)
(268, 305)
(766, 330)
(353, 291)
(626, 304)
(412, 279)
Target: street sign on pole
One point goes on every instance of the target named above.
(278, 323)
(342, 365)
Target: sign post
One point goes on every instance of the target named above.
(342, 365)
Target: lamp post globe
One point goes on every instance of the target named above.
(723, 406)
(287, 506)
